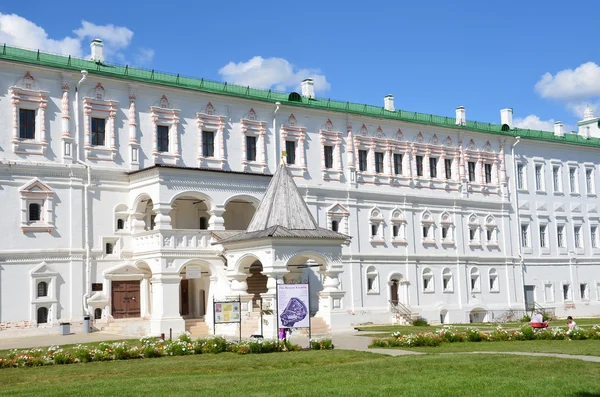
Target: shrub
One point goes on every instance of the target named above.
(420, 322)
(214, 345)
(321, 344)
(60, 357)
(82, 353)
(578, 334)
(526, 318)
(547, 316)
(499, 335)
(474, 335)
(120, 350)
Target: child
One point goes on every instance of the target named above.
(571, 324)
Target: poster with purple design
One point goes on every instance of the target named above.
(293, 305)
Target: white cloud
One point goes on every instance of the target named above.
(276, 73)
(533, 122)
(18, 31)
(576, 84)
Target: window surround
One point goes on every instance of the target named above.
(594, 238)
(97, 104)
(371, 274)
(43, 273)
(428, 222)
(589, 168)
(291, 131)
(573, 187)
(490, 225)
(329, 137)
(166, 116)
(521, 176)
(567, 292)
(427, 278)
(250, 126)
(339, 213)
(447, 281)
(549, 292)
(481, 157)
(525, 235)
(539, 164)
(584, 293)
(398, 221)
(578, 240)
(446, 221)
(557, 187)
(494, 280)
(475, 280)
(25, 94)
(36, 192)
(473, 224)
(208, 120)
(544, 237)
(376, 220)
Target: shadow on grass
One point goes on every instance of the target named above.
(586, 394)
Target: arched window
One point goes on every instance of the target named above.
(398, 223)
(42, 289)
(494, 284)
(372, 280)
(335, 225)
(376, 222)
(109, 248)
(428, 285)
(97, 314)
(447, 282)
(203, 223)
(120, 224)
(42, 315)
(427, 225)
(35, 212)
(475, 284)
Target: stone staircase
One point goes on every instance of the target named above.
(126, 327)
(197, 327)
(318, 328)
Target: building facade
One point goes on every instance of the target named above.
(124, 188)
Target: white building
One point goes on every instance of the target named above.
(126, 185)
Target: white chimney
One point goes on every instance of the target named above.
(506, 117)
(308, 88)
(388, 103)
(558, 129)
(461, 115)
(97, 46)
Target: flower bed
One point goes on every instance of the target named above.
(451, 335)
(148, 348)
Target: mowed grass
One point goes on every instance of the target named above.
(576, 347)
(311, 373)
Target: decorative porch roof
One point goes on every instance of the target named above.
(283, 213)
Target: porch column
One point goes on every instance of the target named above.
(137, 222)
(165, 305)
(163, 219)
(274, 277)
(145, 297)
(330, 299)
(239, 288)
(216, 221)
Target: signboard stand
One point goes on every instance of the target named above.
(293, 307)
(227, 312)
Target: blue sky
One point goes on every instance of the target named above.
(538, 57)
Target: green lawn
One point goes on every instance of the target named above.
(578, 347)
(311, 373)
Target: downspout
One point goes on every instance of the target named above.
(518, 218)
(276, 155)
(86, 234)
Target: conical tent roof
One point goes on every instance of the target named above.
(283, 213)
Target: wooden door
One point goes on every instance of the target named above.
(394, 292)
(125, 299)
(185, 298)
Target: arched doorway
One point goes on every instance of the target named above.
(194, 289)
(394, 283)
(398, 289)
(257, 283)
(478, 315)
(239, 212)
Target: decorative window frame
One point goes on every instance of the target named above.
(577, 191)
(427, 273)
(165, 115)
(590, 167)
(569, 297)
(376, 219)
(371, 273)
(539, 162)
(330, 137)
(398, 220)
(581, 249)
(549, 286)
(338, 212)
(96, 105)
(474, 275)
(43, 272)
(250, 126)
(560, 191)
(25, 94)
(122, 213)
(291, 131)
(447, 274)
(490, 225)
(585, 297)
(473, 224)
(495, 285)
(433, 148)
(482, 156)
(35, 191)
(446, 221)
(428, 221)
(209, 120)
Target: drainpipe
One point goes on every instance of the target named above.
(518, 218)
(276, 156)
(86, 186)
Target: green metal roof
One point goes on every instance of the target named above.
(175, 80)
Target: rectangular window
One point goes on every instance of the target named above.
(525, 235)
(433, 167)
(378, 162)
(328, 156)
(472, 234)
(490, 234)
(98, 131)
(208, 144)
(374, 229)
(250, 148)
(556, 178)
(538, 178)
(573, 179)
(426, 231)
(397, 164)
(290, 152)
(362, 160)
(577, 236)
(567, 292)
(448, 168)
(446, 283)
(583, 291)
(589, 180)
(488, 173)
(520, 176)
(560, 235)
(444, 232)
(419, 165)
(549, 293)
(26, 124)
(395, 231)
(162, 137)
(543, 236)
(96, 287)
(594, 236)
(471, 171)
